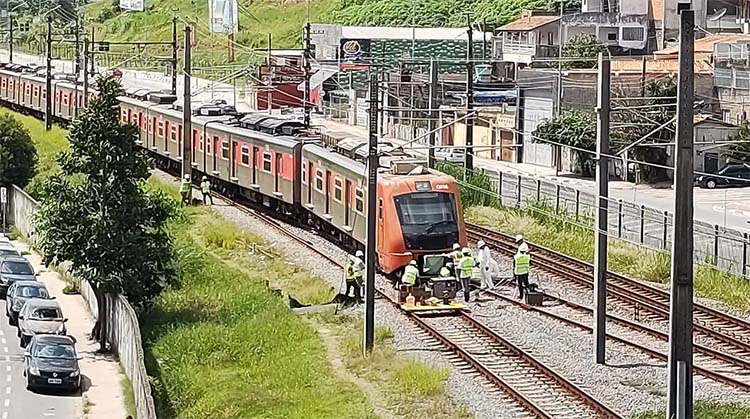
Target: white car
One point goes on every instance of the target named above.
(40, 317)
(450, 154)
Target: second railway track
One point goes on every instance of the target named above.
(721, 331)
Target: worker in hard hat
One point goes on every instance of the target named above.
(355, 272)
(411, 274)
(466, 265)
(518, 240)
(456, 256)
(206, 191)
(484, 259)
(185, 189)
(521, 268)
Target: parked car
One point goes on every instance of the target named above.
(52, 362)
(12, 269)
(450, 154)
(40, 317)
(19, 293)
(7, 249)
(730, 175)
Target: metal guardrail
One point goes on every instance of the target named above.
(123, 335)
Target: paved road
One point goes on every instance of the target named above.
(15, 401)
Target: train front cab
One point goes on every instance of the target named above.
(417, 215)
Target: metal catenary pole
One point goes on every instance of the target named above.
(600, 239)
(48, 85)
(308, 58)
(469, 155)
(85, 72)
(174, 55)
(372, 199)
(433, 123)
(10, 39)
(187, 127)
(680, 397)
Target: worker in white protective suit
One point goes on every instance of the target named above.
(485, 264)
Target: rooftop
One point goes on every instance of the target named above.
(529, 22)
(706, 45)
(381, 32)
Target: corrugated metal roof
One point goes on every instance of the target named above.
(528, 23)
(706, 45)
(382, 32)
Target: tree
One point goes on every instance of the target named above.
(582, 51)
(100, 215)
(17, 152)
(739, 152)
(572, 128)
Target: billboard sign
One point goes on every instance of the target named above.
(354, 54)
(133, 5)
(223, 16)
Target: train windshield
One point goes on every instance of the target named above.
(428, 220)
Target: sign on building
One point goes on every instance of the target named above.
(134, 5)
(223, 16)
(354, 53)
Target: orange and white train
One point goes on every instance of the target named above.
(273, 162)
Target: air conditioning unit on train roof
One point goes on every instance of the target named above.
(408, 166)
(162, 98)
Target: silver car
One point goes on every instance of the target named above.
(450, 154)
(12, 269)
(40, 317)
(19, 293)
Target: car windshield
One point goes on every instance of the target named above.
(7, 251)
(16, 268)
(56, 351)
(426, 208)
(46, 313)
(32, 292)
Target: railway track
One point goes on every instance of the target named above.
(721, 331)
(708, 362)
(535, 388)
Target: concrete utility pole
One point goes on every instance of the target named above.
(469, 154)
(93, 47)
(174, 55)
(269, 88)
(48, 85)
(308, 57)
(680, 397)
(600, 239)
(78, 61)
(372, 207)
(432, 124)
(187, 124)
(10, 39)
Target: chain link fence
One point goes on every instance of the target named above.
(123, 331)
(725, 248)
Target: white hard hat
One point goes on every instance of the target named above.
(205, 178)
(519, 238)
(358, 253)
(523, 248)
(481, 244)
(413, 262)
(466, 251)
(456, 246)
(352, 258)
(187, 177)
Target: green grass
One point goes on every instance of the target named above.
(707, 410)
(412, 389)
(222, 345)
(128, 397)
(49, 145)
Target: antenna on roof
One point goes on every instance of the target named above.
(718, 14)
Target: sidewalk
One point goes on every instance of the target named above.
(102, 392)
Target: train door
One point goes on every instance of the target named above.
(328, 192)
(381, 227)
(152, 128)
(310, 180)
(277, 172)
(347, 201)
(233, 153)
(256, 151)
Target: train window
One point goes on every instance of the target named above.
(161, 128)
(267, 162)
(208, 145)
(124, 115)
(359, 201)
(304, 173)
(200, 141)
(173, 132)
(245, 154)
(337, 189)
(380, 208)
(150, 126)
(319, 180)
(225, 150)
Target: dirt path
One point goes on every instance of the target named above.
(378, 401)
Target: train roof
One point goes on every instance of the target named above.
(338, 159)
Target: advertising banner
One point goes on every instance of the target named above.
(223, 16)
(354, 53)
(134, 5)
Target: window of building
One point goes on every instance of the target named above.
(359, 201)
(337, 189)
(726, 115)
(225, 149)
(267, 161)
(612, 36)
(319, 180)
(245, 153)
(632, 34)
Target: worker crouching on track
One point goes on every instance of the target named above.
(465, 268)
(185, 188)
(521, 268)
(355, 272)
